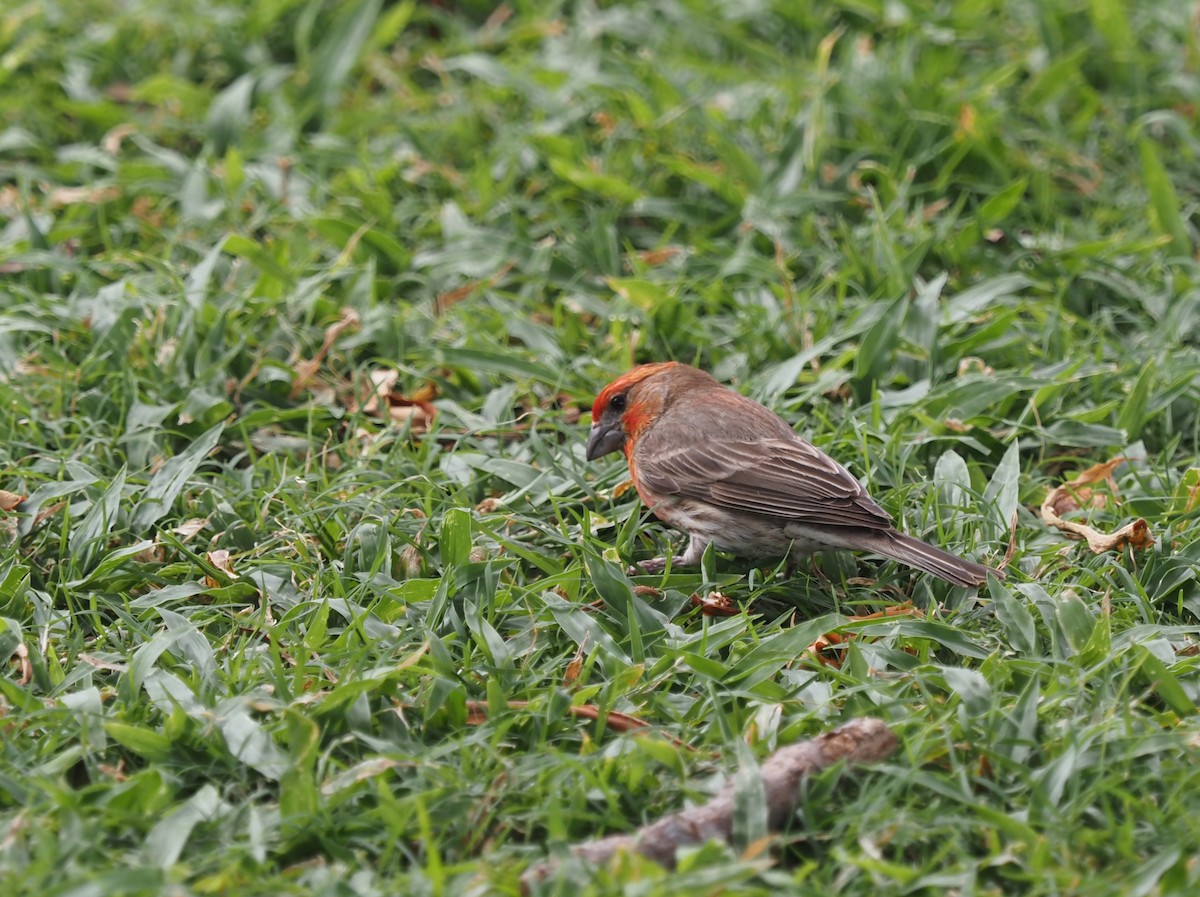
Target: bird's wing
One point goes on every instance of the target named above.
(777, 477)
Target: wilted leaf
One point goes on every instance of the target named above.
(189, 528)
(222, 560)
(576, 664)
(10, 500)
(477, 714)
(1078, 494)
(716, 604)
(307, 370)
(386, 401)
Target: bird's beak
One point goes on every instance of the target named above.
(604, 439)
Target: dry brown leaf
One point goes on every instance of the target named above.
(447, 299)
(306, 370)
(418, 414)
(1077, 494)
(75, 196)
(116, 773)
(821, 645)
(26, 675)
(410, 561)
(498, 17)
(647, 592)
(621, 488)
(972, 364)
(934, 209)
(10, 500)
(576, 664)
(605, 122)
(152, 555)
(716, 604)
(189, 528)
(1012, 542)
(655, 257)
(111, 142)
(477, 713)
(48, 512)
(967, 121)
(385, 401)
(222, 560)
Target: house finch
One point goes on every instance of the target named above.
(728, 471)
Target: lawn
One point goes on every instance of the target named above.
(306, 585)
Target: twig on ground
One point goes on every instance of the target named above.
(857, 742)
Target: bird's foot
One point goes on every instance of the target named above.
(654, 566)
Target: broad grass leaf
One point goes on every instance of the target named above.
(1004, 487)
(11, 637)
(189, 641)
(997, 207)
(248, 741)
(983, 295)
(145, 742)
(454, 538)
(953, 478)
(1165, 211)
(1015, 618)
(944, 635)
(608, 186)
(971, 688)
(1135, 409)
(1164, 683)
(879, 344)
(229, 113)
(582, 626)
(14, 580)
(196, 287)
(100, 520)
(171, 478)
(337, 52)
(774, 652)
(1075, 621)
(166, 840)
(47, 494)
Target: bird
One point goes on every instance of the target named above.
(729, 472)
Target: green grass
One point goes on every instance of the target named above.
(955, 243)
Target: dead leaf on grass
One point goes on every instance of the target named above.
(820, 648)
(716, 604)
(189, 528)
(477, 714)
(385, 401)
(10, 500)
(575, 667)
(26, 675)
(75, 196)
(655, 257)
(306, 370)
(222, 560)
(621, 488)
(1080, 493)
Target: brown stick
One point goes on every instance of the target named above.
(858, 741)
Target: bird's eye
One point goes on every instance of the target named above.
(617, 402)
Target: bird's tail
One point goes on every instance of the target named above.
(931, 559)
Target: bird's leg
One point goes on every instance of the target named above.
(690, 557)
